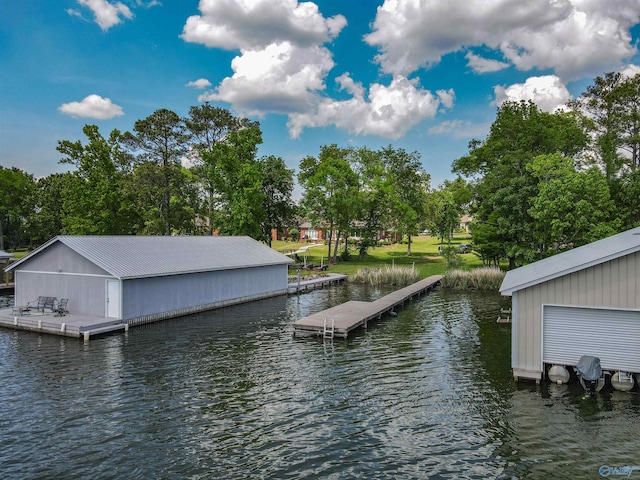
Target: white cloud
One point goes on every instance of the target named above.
(630, 71)
(484, 65)
(74, 13)
(282, 64)
(575, 38)
(148, 4)
(446, 97)
(107, 14)
(460, 129)
(254, 24)
(279, 78)
(200, 83)
(93, 106)
(547, 92)
(387, 111)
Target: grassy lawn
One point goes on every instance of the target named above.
(424, 255)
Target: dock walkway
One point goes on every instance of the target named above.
(78, 326)
(338, 321)
(318, 282)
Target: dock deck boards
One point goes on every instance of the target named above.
(312, 284)
(74, 325)
(351, 315)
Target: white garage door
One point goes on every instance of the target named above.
(611, 335)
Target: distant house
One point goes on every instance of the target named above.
(584, 301)
(465, 221)
(312, 233)
(142, 279)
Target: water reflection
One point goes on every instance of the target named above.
(233, 394)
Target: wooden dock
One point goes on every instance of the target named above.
(319, 282)
(78, 326)
(342, 319)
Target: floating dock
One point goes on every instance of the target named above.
(78, 326)
(340, 320)
(318, 282)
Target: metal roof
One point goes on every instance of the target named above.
(571, 261)
(5, 256)
(138, 256)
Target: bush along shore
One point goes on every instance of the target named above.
(484, 278)
(386, 276)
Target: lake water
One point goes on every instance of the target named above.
(232, 394)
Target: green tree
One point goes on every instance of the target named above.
(375, 194)
(161, 139)
(208, 127)
(504, 187)
(235, 177)
(16, 187)
(96, 203)
(410, 185)
(277, 188)
(331, 192)
(630, 122)
(572, 207)
(610, 108)
(49, 199)
(443, 214)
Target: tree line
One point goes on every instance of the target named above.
(169, 175)
(201, 174)
(538, 184)
(547, 182)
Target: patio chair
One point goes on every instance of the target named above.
(38, 304)
(61, 307)
(41, 304)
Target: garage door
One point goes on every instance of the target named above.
(611, 335)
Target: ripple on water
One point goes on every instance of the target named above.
(232, 394)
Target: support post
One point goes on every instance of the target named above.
(86, 337)
(63, 327)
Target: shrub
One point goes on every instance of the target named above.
(386, 276)
(484, 278)
(450, 254)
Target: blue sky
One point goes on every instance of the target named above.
(423, 75)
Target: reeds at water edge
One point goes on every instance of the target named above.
(483, 278)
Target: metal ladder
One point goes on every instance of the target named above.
(329, 332)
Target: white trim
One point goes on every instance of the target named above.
(590, 307)
(514, 331)
(71, 274)
(561, 273)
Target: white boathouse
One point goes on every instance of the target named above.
(584, 301)
(139, 279)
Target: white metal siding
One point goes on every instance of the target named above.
(614, 285)
(149, 296)
(611, 335)
(86, 294)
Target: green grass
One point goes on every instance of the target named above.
(424, 256)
